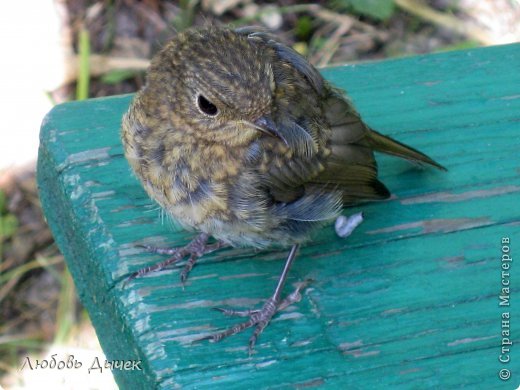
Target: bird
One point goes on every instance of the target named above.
(241, 140)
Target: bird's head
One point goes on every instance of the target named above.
(215, 85)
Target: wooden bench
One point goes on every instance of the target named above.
(410, 299)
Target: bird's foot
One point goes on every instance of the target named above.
(259, 318)
(197, 248)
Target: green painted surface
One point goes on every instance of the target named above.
(411, 299)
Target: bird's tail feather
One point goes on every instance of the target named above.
(384, 144)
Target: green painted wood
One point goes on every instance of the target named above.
(411, 299)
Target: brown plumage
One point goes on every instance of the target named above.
(238, 137)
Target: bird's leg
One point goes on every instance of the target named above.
(261, 317)
(197, 248)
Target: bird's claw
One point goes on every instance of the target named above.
(259, 318)
(195, 250)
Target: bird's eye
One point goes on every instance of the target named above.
(206, 106)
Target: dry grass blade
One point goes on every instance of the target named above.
(452, 23)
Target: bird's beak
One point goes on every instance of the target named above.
(266, 125)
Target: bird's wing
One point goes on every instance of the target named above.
(321, 127)
(351, 165)
(332, 147)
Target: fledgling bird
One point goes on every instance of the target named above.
(239, 138)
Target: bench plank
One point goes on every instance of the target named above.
(411, 298)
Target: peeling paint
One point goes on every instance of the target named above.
(357, 353)
(187, 340)
(460, 197)
(88, 155)
(350, 345)
(103, 194)
(302, 343)
(72, 181)
(266, 364)
(232, 302)
(288, 316)
(468, 340)
(171, 333)
(310, 383)
(410, 371)
(241, 276)
(436, 225)
(510, 97)
(390, 312)
(430, 83)
(453, 262)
